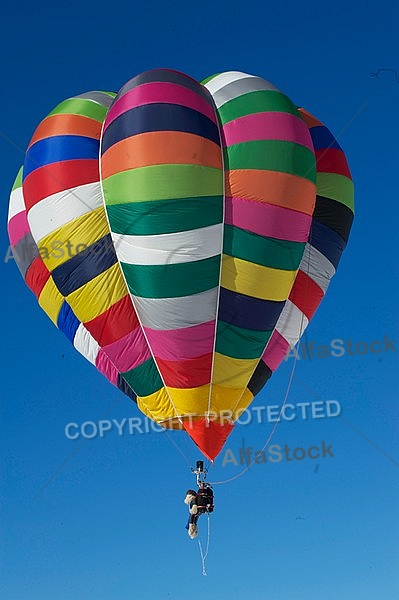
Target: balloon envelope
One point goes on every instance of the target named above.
(182, 236)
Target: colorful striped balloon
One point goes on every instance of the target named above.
(182, 237)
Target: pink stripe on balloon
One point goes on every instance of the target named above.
(128, 352)
(106, 367)
(150, 93)
(276, 350)
(267, 220)
(18, 227)
(267, 126)
(182, 344)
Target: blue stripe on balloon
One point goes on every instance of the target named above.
(247, 312)
(159, 117)
(67, 321)
(59, 148)
(84, 266)
(323, 138)
(124, 387)
(327, 241)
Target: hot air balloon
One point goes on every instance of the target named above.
(181, 235)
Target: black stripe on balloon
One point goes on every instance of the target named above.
(83, 266)
(124, 387)
(159, 117)
(335, 215)
(249, 313)
(259, 378)
(326, 241)
(166, 76)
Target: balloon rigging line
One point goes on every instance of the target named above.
(74, 452)
(268, 440)
(220, 270)
(348, 423)
(172, 441)
(204, 555)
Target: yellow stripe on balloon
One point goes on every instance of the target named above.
(98, 295)
(51, 300)
(232, 372)
(190, 401)
(157, 406)
(232, 401)
(226, 402)
(255, 280)
(62, 244)
(243, 403)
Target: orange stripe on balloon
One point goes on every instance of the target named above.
(273, 187)
(309, 119)
(67, 125)
(160, 148)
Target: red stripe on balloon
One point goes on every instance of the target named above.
(58, 177)
(186, 373)
(306, 294)
(113, 324)
(332, 160)
(37, 276)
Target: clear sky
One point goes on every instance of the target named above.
(110, 524)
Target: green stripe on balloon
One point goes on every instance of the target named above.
(18, 180)
(73, 106)
(241, 343)
(272, 155)
(337, 187)
(269, 252)
(255, 102)
(154, 183)
(174, 280)
(144, 379)
(153, 218)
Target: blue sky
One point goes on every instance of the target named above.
(110, 524)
